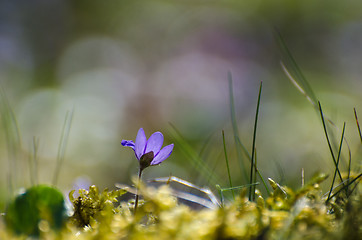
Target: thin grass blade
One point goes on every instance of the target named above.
(293, 72)
(252, 195)
(338, 157)
(295, 75)
(328, 141)
(222, 198)
(245, 151)
(255, 172)
(33, 162)
(345, 186)
(63, 144)
(12, 138)
(357, 122)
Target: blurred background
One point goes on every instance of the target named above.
(122, 65)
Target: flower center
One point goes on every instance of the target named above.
(146, 159)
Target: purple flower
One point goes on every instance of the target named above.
(149, 152)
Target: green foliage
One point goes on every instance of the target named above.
(92, 205)
(285, 214)
(40, 207)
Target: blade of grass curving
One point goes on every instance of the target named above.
(235, 128)
(245, 151)
(238, 144)
(13, 140)
(345, 186)
(192, 156)
(338, 157)
(295, 75)
(354, 187)
(349, 160)
(334, 143)
(227, 162)
(357, 122)
(293, 72)
(253, 146)
(328, 141)
(360, 135)
(63, 144)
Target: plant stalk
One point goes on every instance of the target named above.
(137, 188)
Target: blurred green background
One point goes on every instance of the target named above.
(124, 64)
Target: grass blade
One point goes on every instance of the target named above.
(35, 159)
(357, 122)
(13, 140)
(33, 163)
(253, 147)
(238, 144)
(256, 168)
(235, 129)
(63, 144)
(255, 171)
(345, 186)
(328, 141)
(293, 72)
(221, 194)
(227, 163)
(339, 154)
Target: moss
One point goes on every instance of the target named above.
(286, 214)
(39, 209)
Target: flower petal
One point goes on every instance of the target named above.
(154, 143)
(128, 143)
(163, 154)
(140, 143)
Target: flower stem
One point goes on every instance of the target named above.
(137, 196)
